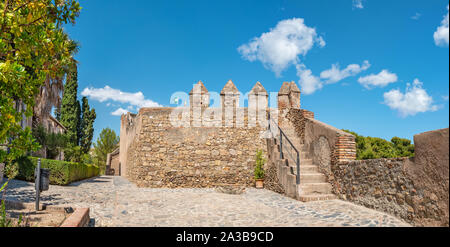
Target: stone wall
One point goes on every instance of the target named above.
(113, 163)
(161, 155)
(415, 189)
(130, 126)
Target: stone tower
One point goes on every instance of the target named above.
(294, 96)
(288, 96)
(229, 95)
(258, 99)
(199, 96)
(198, 101)
(230, 102)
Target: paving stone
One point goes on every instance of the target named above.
(116, 202)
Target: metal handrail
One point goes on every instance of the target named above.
(297, 159)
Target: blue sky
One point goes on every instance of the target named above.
(397, 83)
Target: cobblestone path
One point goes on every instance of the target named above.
(114, 201)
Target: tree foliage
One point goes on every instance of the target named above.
(78, 120)
(70, 108)
(52, 142)
(33, 47)
(374, 147)
(87, 126)
(106, 143)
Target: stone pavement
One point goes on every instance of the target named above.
(114, 201)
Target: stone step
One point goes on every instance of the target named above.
(312, 178)
(287, 152)
(316, 197)
(308, 168)
(314, 188)
(306, 162)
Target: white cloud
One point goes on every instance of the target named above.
(441, 34)
(379, 80)
(413, 101)
(133, 100)
(358, 4)
(416, 16)
(119, 112)
(108, 93)
(308, 82)
(334, 75)
(281, 46)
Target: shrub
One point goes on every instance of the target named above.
(61, 172)
(259, 168)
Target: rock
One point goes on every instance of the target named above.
(400, 198)
(433, 197)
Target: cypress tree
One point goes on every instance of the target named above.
(78, 123)
(87, 125)
(70, 114)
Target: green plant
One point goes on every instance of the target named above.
(73, 153)
(11, 170)
(4, 221)
(61, 172)
(259, 167)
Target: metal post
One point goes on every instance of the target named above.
(281, 145)
(298, 168)
(38, 182)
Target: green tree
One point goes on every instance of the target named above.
(106, 143)
(374, 147)
(87, 126)
(33, 47)
(78, 113)
(403, 147)
(70, 108)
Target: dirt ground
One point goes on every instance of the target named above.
(31, 218)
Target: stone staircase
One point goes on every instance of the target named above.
(313, 185)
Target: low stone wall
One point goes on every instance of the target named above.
(381, 184)
(162, 155)
(271, 175)
(414, 189)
